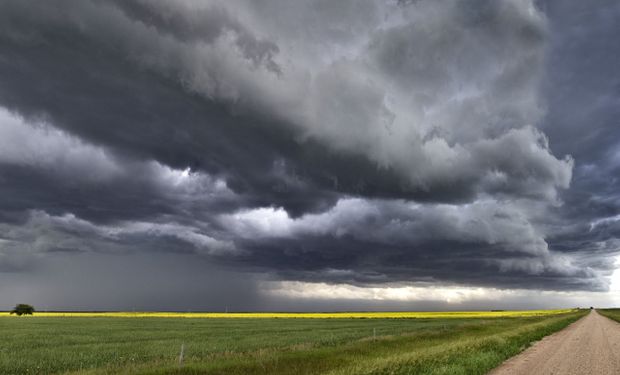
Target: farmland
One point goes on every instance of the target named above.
(341, 343)
(330, 315)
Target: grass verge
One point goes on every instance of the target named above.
(613, 314)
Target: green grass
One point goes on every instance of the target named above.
(613, 314)
(48, 345)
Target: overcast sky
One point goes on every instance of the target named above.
(309, 155)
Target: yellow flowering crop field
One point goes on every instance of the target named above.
(321, 315)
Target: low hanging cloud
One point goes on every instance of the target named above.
(355, 142)
(359, 241)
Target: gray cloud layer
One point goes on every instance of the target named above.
(354, 142)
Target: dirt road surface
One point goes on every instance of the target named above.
(589, 346)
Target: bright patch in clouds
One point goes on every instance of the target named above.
(451, 295)
(614, 285)
(428, 292)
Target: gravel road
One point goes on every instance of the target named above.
(589, 346)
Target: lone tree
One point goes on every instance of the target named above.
(22, 309)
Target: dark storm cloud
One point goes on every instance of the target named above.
(166, 99)
(203, 25)
(366, 242)
(343, 142)
(582, 93)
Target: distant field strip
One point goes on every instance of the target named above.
(338, 315)
(432, 343)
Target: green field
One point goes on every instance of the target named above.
(613, 314)
(106, 345)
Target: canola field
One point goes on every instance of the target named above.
(281, 343)
(326, 315)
